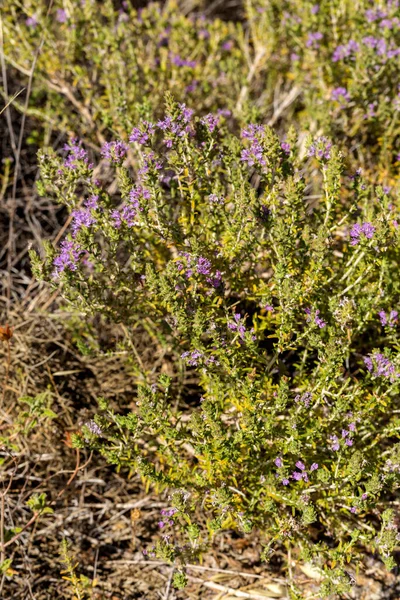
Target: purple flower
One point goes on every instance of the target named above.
(116, 217)
(254, 154)
(142, 133)
(352, 426)
(368, 363)
(366, 229)
(314, 467)
(380, 366)
(32, 21)
(320, 148)
(61, 16)
(81, 218)
(227, 46)
(285, 481)
(136, 194)
(345, 51)
(210, 121)
(300, 465)
(75, 153)
(92, 202)
(68, 257)
(348, 442)
(321, 324)
(214, 199)
(114, 151)
(364, 496)
(340, 94)
(297, 476)
(182, 62)
(269, 308)
(383, 318)
(278, 462)
(94, 428)
(313, 39)
(203, 266)
(315, 9)
(335, 442)
(178, 126)
(192, 86)
(192, 358)
(216, 279)
(161, 524)
(353, 509)
(285, 147)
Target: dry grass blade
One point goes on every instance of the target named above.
(251, 595)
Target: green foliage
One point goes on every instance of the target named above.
(328, 68)
(279, 297)
(81, 586)
(261, 267)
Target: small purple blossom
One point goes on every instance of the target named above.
(178, 61)
(215, 279)
(285, 147)
(313, 39)
(75, 153)
(142, 133)
(320, 148)
(335, 443)
(227, 46)
(94, 428)
(297, 476)
(366, 229)
(214, 199)
(68, 258)
(203, 266)
(32, 21)
(346, 51)
(114, 151)
(314, 467)
(238, 326)
(278, 462)
(61, 15)
(300, 465)
(304, 398)
(285, 481)
(210, 121)
(380, 366)
(254, 154)
(92, 202)
(340, 94)
(192, 358)
(391, 321)
(192, 86)
(81, 218)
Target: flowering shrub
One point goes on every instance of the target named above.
(101, 69)
(269, 276)
(328, 67)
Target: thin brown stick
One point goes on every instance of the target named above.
(8, 365)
